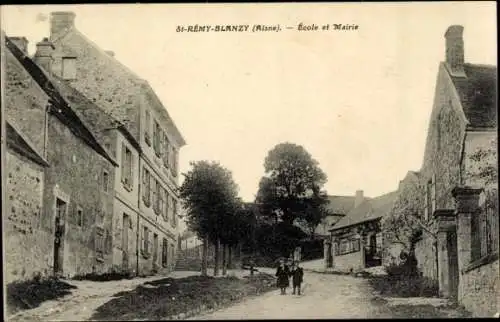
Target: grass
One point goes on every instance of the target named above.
(404, 286)
(30, 294)
(112, 276)
(166, 297)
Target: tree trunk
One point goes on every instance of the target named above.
(229, 257)
(204, 259)
(216, 258)
(224, 262)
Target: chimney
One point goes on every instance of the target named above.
(61, 20)
(359, 198)
(455, 50)
(21, 43)
(43, 54)
(110, 53)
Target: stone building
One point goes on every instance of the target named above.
(355, 240)
(459, 209)
(338, 207)
(68, 233)
(146, 191)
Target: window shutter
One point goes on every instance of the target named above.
(124, 162)
(144, 183)
(433, 192)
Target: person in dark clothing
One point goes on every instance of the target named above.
(283, 273)
(297, 274)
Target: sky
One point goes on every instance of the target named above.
(358, 101)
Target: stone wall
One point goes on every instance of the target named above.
(425, 252)
(28, 247)
(75, 176)
(344, 263)
(480, 288)
(25, 102)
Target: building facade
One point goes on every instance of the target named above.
(458, 183)
(71, 228)
(355, 240)
(146, 181)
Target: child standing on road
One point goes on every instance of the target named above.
(297, 276)
(282, 274)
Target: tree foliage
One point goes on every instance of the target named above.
(405, 222)
(483, 165)
(211, 198)
(291, 186)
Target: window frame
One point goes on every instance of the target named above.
(67, 59)
(79, 216)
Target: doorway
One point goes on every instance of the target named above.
(155, 250)
(451, 241)
(60, 219)
(126, 226)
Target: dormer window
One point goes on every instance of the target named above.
(68, 69)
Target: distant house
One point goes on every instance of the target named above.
(339, 207)
(355, 240)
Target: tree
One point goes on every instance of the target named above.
(209, 194)
(291, 186)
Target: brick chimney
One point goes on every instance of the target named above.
(43, 54)
(61, 20)
(455, 50)
(21, 43)
(358, 198)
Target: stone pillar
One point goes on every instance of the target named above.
(333, 250)
(326, 252)
(361, 238)
(467, 205)
(446, 222)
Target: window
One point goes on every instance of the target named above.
(145, 247)
(347, 246)
(154, 183)
(146, 183)
(126, 167)
(484, 227)
(147, 128)
(79, 216)
(172, 253)
(68, 68)
(105, 181)
(166, 149)
(175, 157)
(164, 253)
(99, 243)
(166, 211)
(156, 138)
(159, 198)
(174, 215)
(430, 197)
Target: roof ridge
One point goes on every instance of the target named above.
(102, 52)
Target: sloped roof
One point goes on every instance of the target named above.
(97, 119)
(64, 112)
(369, 209)
(139, 83)
(18, 142)
(478, 94)
(340, 205)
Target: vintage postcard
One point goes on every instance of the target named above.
(249, 161)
